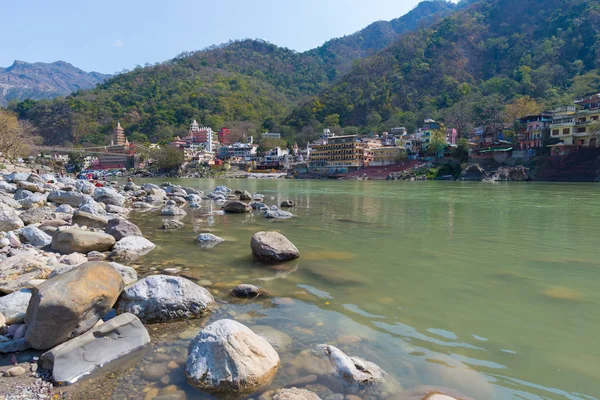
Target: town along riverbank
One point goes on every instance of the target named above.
(445, 286)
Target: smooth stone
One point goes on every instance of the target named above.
(83, 218)
(287, 203)
(14, 346)
(81, 241)
(159, 298)
(74, 199)
(226, 357)
(290, 394)
(154, 372)
(172, 224)
(245, 290)
(110, 196)
(113, 340)
(14, 306)
(273, 247)
(15, 371)
(70, 304)
(120, 228)
(237, 207)
(136, 244)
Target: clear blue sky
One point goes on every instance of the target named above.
(109, 35)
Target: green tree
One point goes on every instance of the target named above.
(332, 120)
(438, 142)
(461, 151)
(373, 120)
(169, 158)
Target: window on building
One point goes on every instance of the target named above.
(566, 131)
(581, 129)
(555, 132)
(595, 118)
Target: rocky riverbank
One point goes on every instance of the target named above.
(75, 305)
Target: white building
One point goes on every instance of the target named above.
(271, 135)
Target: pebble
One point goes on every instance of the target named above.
(154, 372)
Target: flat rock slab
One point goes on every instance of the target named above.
(95, 350)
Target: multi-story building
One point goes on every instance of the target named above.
(223, 135)
(199, 138)
(587, 122)
(384, 155)
(533, 130)
(339, 152)
(241, 151)
(426, 131)
(563, 124)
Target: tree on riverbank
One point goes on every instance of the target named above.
(15, 136)
(168, 158)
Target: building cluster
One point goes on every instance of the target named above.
(562, 130)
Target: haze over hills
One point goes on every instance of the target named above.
(39, 80)
(436, 59)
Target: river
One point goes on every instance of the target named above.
(486, 289)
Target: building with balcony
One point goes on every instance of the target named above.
(339, 154)
(534, 130)
(244, 152)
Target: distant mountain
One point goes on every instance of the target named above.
(38, 80)
(247, 80)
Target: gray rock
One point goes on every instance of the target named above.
(31, 186)
(35, 237)
(74, 199)
(108, 195)
(7, 187)
(159, 298)
(68, 305)
(136, 244)
(154, 372)
(245, 196)
(15, 177)
(33, 216)
(14, 345)
(245, 290)
(83, 218)
(116, 210)
(73, 259)
(92, 206)
(81, 241)
(208, 240)
(226, 357)
(172, 224)
(355, 374)
(86, 187)
(257, 205)
(273, 247)
(65, 208)
(237, 207)
(17, 272)
(14, 306)
(21, 194)
(172, 210)
(277, 214)
(33, 201)
(114, 340)
(154, 190)
(9, 220)
(287, 203)
(120, 228)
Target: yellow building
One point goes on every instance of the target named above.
(384, 155)
(563, 124)
(339, 152)
(587, 122)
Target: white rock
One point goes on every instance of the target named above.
(137, 244)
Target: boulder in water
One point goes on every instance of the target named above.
(273, 247)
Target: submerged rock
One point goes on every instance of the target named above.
(172, 224)
(113, 340)
(245, 290)
(287, 203)
(290, 394)
(160, 298)
(237, 207)
(226, 357)
(273, 247)
(208, 240)
(70, 304)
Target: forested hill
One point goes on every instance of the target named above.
(486, 54)
(247, 80)
(24, 80)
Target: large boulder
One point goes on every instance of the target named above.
(92, 206)
(9, 220)
(159, 298)
(86, 187)
(31, 186)
(74, 199)
(33, 201)
(33, 216)
(120, 228)
(135, 244)
(109, 195)
(273, 247)
(83, 218)
(15, 177)
(154, 190)
(81, 241)
(35, 236)
(245, 196)
(226, 357)
(14, 306)
(236, 207)
(70, 304)
(117, 338)
(7, 187)
(18, 271)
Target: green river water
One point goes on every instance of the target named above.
(487, 290)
